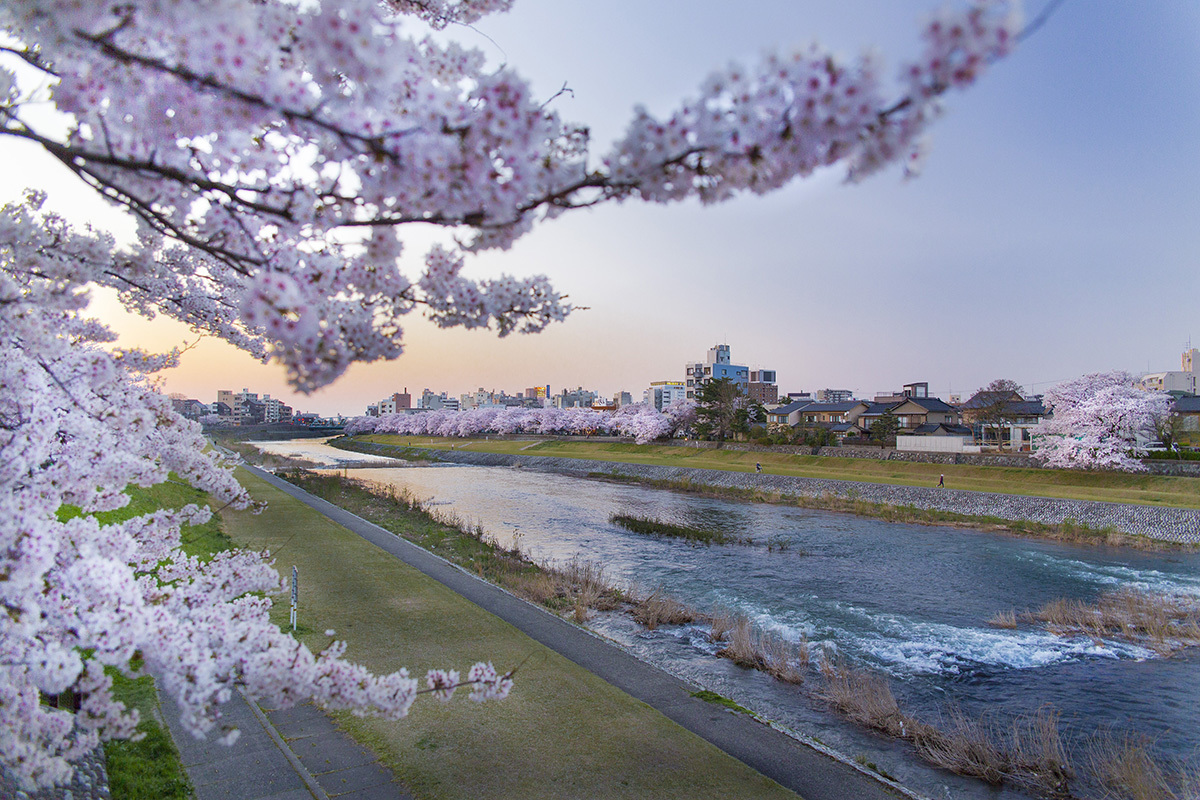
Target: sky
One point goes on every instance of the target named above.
(1054, 231)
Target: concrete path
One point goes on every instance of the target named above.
(803, 769)
(291, 754)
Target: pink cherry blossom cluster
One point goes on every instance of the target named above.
(1099, 421)
(78, 424)
(270, 152)
(641, 421)
(252, 138)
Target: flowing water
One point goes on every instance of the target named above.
(911, 601)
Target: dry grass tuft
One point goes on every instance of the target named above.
(657, 608)
(537, 587)
(1004, 619)
(964, 746)
(1127, 768)
(1039, 757)
(1030, 753)
(864, 698)
(1163, 622)
(722, 623)
(748, 646)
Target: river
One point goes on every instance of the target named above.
(911, 601)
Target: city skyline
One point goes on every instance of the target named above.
(1051, 235)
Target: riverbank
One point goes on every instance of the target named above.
(1112, 487)
(1076, 520)
(563, 732)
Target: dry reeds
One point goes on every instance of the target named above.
(1030, 753)
(864, 698)
(585, 582)
(657, 608)
(1004, 619)
(1163, 622)
(1037, 752)
(1126, 767)
(748, 646)
(962, 745)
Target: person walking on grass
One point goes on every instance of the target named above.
(757, 467)
(941, 481)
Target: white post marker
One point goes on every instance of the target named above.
(295, 584)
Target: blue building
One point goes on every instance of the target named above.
(716, 367)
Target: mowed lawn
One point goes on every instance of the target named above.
(1113, 487)
(562, 732)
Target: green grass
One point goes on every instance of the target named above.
(650, 526)
(149, 768)
(562, 733)
(721, 700)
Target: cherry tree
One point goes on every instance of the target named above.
(640, 421)
(1099, 421)
(272, 153)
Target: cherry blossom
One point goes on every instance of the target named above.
(1099, 421)
(272, 153)
(641, 422)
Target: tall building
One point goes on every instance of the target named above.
(576, 398)
(433, 401)
(717, 366)
(275, 410)
(762, 388)
(392, 404)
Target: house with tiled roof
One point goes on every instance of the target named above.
(788, 414)
(1188, 407)
(910, 413)
(1003, 418)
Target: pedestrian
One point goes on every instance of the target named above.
(757, 467)
(941, 481)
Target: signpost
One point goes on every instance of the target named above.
(295, 585)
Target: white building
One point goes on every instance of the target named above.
(1182, 381)
(663, 393)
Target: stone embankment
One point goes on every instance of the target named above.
(1168, 524)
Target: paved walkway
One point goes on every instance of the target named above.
(807, 771)
(291, 754)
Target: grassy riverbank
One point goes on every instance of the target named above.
(563, 731)
(1112, 487)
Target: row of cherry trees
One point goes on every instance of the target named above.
(271, 153)
(641, 421)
